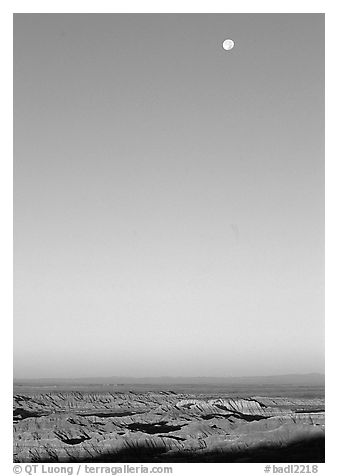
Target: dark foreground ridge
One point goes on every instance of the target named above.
(311, 451)
(164, 426)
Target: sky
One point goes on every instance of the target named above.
(168, 195)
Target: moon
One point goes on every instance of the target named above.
(228, 44)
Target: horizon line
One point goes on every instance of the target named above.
(172, 377)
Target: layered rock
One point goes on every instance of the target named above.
(162, 426)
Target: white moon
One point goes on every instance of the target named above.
(228, 44)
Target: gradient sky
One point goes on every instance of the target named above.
(169, 195)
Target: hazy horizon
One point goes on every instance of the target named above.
(173, 377)
(168, 195)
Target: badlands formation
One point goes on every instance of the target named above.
(166, 426)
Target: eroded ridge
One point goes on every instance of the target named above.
(165, 426)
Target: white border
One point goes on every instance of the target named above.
(183, 6)
(6, 275)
